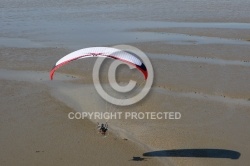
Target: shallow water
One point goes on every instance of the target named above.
(167, 10)
(215, 61)
(77, 24)
(76, 35)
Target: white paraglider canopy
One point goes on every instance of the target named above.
(106, 52)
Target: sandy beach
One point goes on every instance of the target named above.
(200, 52)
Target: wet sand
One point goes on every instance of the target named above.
(35, 129)
(200, 54)
(35, 110)
(230, 32)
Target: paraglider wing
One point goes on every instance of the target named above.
(106, 52)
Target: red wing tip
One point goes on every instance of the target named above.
(52, 72)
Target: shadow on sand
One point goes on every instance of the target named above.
(138, 159)
(206, 153)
